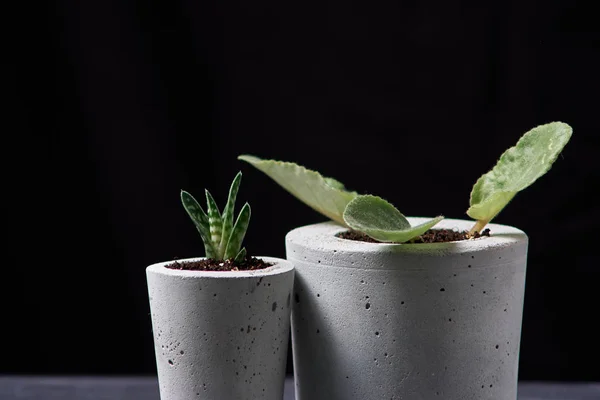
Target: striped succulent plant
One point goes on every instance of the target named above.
(222, 238)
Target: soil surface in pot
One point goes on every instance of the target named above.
(431, 236)
(249, 264)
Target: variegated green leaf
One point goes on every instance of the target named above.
(228, 212)
(325, 195)
(380, 220)
(237, 234)
(200, 219)
(214, 219)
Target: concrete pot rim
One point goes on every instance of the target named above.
(322, 236)
(280, 266)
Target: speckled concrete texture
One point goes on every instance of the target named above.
(221, 335)
(408, 321)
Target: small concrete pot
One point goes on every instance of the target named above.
(221, 335)
(407, 321)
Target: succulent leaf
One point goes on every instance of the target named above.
(201, 221)
(237, 234)
(241, 256)
(214, 219)
(228, 213)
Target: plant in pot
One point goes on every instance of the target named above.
(389, 307)
(221, 322)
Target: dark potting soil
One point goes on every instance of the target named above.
(249, 264)
(431, 236)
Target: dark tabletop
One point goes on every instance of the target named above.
(146, 388)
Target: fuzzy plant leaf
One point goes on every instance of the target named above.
(324, 195)
(228, 212)
(517, 168)
(201, 221)
(334, 183)
(236, 238)
(380, 220)
(214, 218)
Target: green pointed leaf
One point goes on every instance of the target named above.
(517, 168)
(325, 195)
(380, 220)
(200, 219)
(228, 212)
(214, 219)
(237, 234)
(241, 256)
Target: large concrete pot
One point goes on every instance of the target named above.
(221, 335)
(407, 321)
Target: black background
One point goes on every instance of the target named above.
(122, 104)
